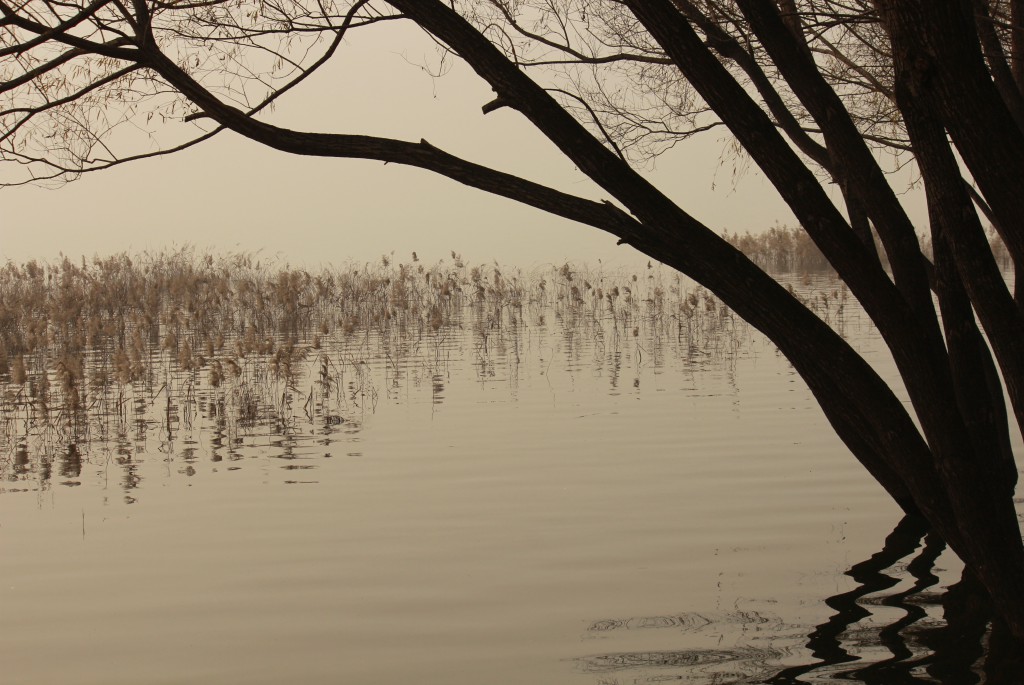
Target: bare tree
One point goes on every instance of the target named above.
(818, 93)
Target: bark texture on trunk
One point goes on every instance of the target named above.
(949, 75)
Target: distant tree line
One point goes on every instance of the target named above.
(789, 249)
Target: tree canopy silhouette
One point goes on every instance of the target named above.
(823, 95)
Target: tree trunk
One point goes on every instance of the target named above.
(957, 232)
(949, 478)
(998, 65)
(949, 485)
(950, 77)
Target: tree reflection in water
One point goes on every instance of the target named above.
(826, 641)
(964, 650)
(952, 654)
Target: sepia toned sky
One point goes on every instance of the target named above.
(229, 194)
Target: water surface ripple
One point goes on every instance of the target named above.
(539, 498)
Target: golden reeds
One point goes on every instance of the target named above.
(254, 339)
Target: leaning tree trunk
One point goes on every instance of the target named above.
(977, 517)
(950, 76)
(967, 270)
(950, 473)
(945, 478)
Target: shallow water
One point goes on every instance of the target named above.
(546, 502)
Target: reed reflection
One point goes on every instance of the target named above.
(71, 462)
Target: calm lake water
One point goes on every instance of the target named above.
(527, 499)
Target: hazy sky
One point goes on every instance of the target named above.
(232, 194)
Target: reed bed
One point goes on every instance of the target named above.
(96, 352)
